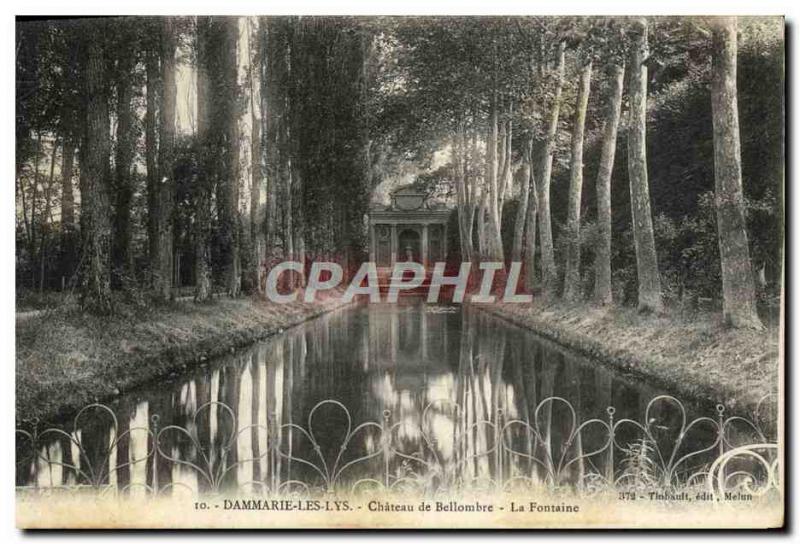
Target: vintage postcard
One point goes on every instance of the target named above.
(400, 272)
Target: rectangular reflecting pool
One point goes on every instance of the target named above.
(405, 396)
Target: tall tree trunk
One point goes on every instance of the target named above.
(543, 177)
(95, 197)
(122, 257)
(738, 293)
(20, 188)
(68, 205)
(646, 260)
(296, 63)
(483, 243)
(228, 184)
(572, 268)
(288, 215)
(45, 228)
(507, 170)
(522, 204)
(494, 242)
(202, 197)
(31, 224)
(67, 190)
(471, 158)
(298, 220)
(268, 45)
(530, 222)
(162, 279)
(151, 152)
(602, 262)
(283, 54)
(461, 194)
(257, 177)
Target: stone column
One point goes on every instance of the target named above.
(425, 245)
(394, 244)
(444, 242)
(372, 242)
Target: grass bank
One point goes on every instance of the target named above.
(66, 359)
(694, 357)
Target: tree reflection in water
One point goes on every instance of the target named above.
(454, 397)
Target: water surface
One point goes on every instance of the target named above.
(458, 392)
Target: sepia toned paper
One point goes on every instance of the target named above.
(508, 272)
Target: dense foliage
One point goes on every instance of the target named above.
(309, 82)
(278, 129)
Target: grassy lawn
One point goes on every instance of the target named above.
(66, 359)
(696, 357)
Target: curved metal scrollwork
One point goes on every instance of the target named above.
(79, 467)
(330, 470)
(665, 450)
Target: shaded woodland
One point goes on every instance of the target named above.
(622, 160)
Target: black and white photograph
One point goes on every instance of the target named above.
(399, 271)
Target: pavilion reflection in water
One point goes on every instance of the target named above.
(378, 361)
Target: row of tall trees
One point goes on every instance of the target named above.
(203, 148)
(508, 95)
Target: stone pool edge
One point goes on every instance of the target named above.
(668, 373)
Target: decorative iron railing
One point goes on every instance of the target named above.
(446, 450)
